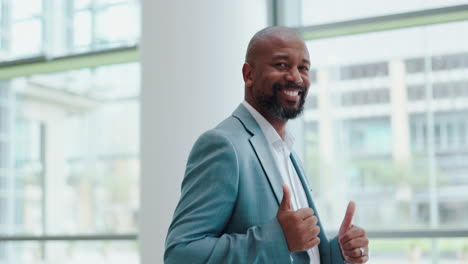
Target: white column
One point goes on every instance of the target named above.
(191, 56)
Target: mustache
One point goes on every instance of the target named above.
(279, 86)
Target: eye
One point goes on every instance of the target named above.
(304, 68)
(281, 65)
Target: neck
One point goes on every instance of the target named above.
(277, 124)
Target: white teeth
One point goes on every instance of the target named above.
(291, 93)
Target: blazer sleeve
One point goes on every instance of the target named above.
(336, 257)
(208, 197)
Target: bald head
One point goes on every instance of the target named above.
(266, 35)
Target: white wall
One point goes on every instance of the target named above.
(191, 54)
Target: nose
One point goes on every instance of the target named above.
(293, 76)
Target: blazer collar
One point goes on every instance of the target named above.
(261, 147)
(247, 119)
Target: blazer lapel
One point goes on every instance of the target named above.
(301, 175)
(260, 145)
(324, 250)
(261, 148)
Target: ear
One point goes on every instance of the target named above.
(247, 73)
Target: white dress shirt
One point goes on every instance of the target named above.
(281, 151)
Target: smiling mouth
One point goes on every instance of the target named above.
(292, 93)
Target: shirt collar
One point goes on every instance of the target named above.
(269, 131)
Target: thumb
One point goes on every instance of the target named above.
(348, 218)
(286, 202)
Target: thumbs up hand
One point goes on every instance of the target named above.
(353, 239)
(299, 227)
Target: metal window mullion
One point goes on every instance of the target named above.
(46, 26)
(46, 238)
(93, 11)
(6, 24)
(43, 152)
(386, 22)
(433, 196)
(11, 196)
(69, 29)
(430, 139)
(2, 23)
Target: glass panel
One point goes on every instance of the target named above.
(421, 251)
(320, 12)
(107, 2)
(77, 252)
(22, 9)
(82, 36)
(373, 137)
(91, 157)
(128, 86)
(80, 4)
(20, 252)
(112, 25)
(98, 83)
(3, 120)
(26, 38)
(28, 177)
(70, 252)
(4, 156)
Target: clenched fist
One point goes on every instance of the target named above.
(299, 227)
(352, 239)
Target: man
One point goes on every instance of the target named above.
(245, 198)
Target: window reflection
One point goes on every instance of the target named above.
(104, 24)
(25, 9)
(26, 38)
(83, 33)
(112, 24)
(384, 120)
(69, 252)
(75, 133)
(80, 4)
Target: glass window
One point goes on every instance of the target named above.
(80, 4)
(409, 251)
(25, 9)
(321, 12)
(376, 152)
(70, 252)
(82, 37)
(112, 24)
(82, 143)
(107, 2)
(4, 156)
(26, 38)
(99, 25)
(3, 120)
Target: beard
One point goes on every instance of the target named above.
(272, 104)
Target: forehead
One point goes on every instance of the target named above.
(287, 44)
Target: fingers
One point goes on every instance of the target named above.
(348, 218)
(312, 243)
(353, 233)
(311, 221)
(355, 243)
(286, 202)
(356, 253)
(305, 213)
(351, 242)
(356, 260)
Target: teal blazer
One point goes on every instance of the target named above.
(229, 199)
